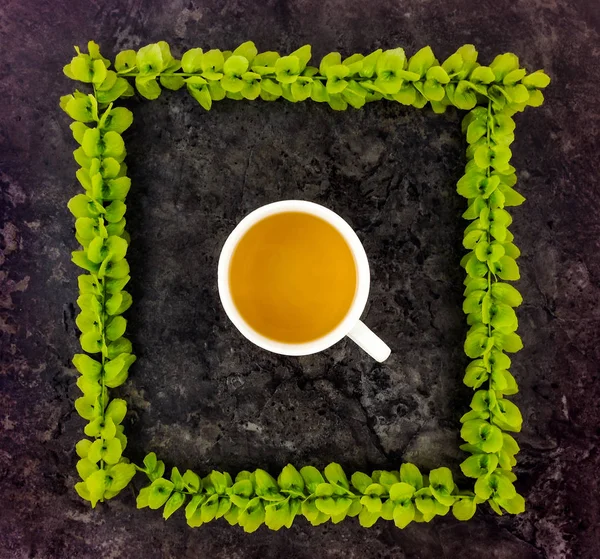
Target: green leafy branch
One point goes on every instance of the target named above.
(491, 94)
(489, 302)
(256, 498)
(246, 74)
(100, 229)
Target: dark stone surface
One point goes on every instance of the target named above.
(200, 395)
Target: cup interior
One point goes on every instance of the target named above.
(362, 277)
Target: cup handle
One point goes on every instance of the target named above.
(370, 342)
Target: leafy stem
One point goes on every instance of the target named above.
(492, 94)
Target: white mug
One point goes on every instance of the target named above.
(350, 326)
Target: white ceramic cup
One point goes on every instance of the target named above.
(350, 326)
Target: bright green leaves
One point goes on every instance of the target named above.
(199, 90)
(410, 474)
(287, 69)
(149, 61)
(234, 69)
(390, 71)
(255, 498)
(88, 68)
(83, 108)
(482, 434)
(497, 485)
(107, 450)
(475, 183)
(159, 492)
(441, 485)
(422, 61)
(479, 465)
(291, 481)
(336, 75)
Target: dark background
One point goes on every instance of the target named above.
(203, 397)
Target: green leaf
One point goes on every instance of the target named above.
(104, 427)
(149, 61)
(361, 481)
(515, 505)
(331, 59)
(287, 69)
(88, 367)
(537, 79)
(371, 503)
(503, 64)
(290, 479)
(425, 504)
(172, 82)
(369, 64)
(81, 68)
(475, 344)
(406, 95)
(479, 465)
(464, 508)
(318, 92)
(303, 54)
(266, 486)
(246, 50)
(264, 63)
(119, 476)
(506, 268)
(142, 498)
(116, 328)
(175, 502)
(312, 478)
(148, 87)
(324, 490)
(192, 481)
(277, 515)
(116, 410)
(421, 61)
(507, 416)
(125, 61)
(463, 96)
(191, 61)
(116, 370)
(366, 518)
(96, 484)
(88, 407)
(220, 481)
(83, 109)
(193, 511)
(336, 476)
(212, 61)
(402, 491)
(433, 91)
(404, 514)
(160, 491)
(150, 461)
(482, 74)
(441, 485)
(111, 452)
(482, 434)
(235, 66)
(199, 90)
(85, 468)
(252, 516)
(410, 474)
(301, 89)
(387, 479)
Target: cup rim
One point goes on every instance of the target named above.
(362, 274)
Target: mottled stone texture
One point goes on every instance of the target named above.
(203, 397)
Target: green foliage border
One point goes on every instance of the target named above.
(491, 95)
